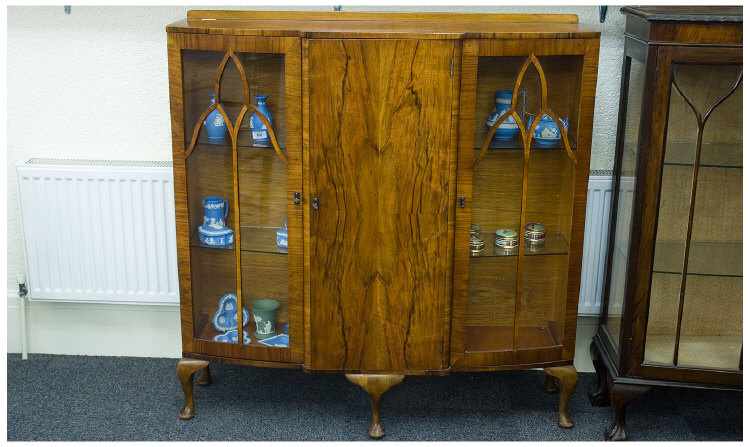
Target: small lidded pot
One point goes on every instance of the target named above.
(476, 243)
(534, 235)
(505, 238)
(534, 231)
(475, 230)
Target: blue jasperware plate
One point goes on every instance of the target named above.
(231, 337)
(278, 341)
(225, 319)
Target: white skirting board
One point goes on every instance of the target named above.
(95, 329)
(141, 330)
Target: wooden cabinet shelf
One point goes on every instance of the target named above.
(377, 119)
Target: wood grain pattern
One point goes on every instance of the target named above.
(380, 133)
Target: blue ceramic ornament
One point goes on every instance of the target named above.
(214, 123)
(546, 133)
(259, 130)
(508, 129)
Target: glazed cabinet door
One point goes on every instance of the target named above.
(236, 123)
(634, 77)
(690, 322)
(380, 116)
(524, 143)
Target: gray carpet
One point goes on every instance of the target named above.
(77, 398)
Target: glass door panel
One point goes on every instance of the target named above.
(210, 190)
(627, 180)
(262, 173)
(549, 205)
(519, 302)
(697, 273)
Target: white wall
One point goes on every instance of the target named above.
(93, 84)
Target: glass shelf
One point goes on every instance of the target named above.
(713, 155)
(252, 239)
(554, 244)
(706, 258)
(518, 144)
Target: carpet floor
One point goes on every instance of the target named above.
(81, 398)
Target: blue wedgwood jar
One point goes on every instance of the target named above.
(259, 130)
(214, 122)
(546, 132)
(508, 129)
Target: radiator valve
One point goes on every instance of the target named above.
(21, 279)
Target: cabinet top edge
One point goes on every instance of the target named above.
(685, 13)
(380, 16)
(404, 25)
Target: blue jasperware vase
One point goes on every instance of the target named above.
(508, 128)
(214, 123)
(546, 133)
(259, 130)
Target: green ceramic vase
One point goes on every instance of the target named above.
(264, 312)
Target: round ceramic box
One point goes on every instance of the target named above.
(534, 231)
(476, 244)
(505, 238)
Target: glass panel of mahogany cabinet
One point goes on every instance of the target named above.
(236, 182)
(695, 306)
(625, 183)
(522, 196)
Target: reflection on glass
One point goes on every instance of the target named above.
(624, 212)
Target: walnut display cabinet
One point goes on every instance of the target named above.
(379, 165)
(672, 309)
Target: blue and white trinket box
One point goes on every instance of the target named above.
(278, 341)
(225, 319)
(231, 337)
(211, 236)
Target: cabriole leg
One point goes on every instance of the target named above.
(205, 378)
(375, 385)
(599, 392)
(549, 384)
(186, 369)
(568, 377)
(622, 394)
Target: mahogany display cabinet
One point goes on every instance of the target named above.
(672, 309)
(336, 171)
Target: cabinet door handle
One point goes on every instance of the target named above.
(315, 204)
(297, 198)
(462, 202)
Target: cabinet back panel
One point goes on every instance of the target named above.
(380, 119)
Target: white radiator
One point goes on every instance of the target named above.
(99, 231)
(596, 234)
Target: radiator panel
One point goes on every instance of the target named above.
(596, 231)
(99, 231)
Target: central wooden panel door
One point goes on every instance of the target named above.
(379, 167)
